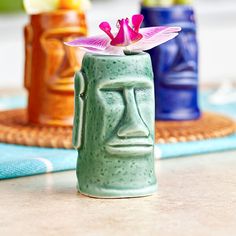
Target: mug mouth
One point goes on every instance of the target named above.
(62, 84)
(131, 141)
(180, 79)
(132, 146)
(134, 150)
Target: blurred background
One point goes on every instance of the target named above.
(216, 21)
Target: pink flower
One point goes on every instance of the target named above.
(128, 39)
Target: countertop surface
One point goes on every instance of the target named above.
(197, 196)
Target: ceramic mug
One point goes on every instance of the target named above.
(50, 66)
(114, 126)
(175, 64)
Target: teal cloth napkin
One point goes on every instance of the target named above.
(17, 161)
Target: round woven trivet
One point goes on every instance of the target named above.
(14, 129)
(210, 125)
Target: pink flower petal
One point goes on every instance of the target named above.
(154, 36)
(93, 50)
(110, 50)
(98, 43)
(137, 21)
(126, 35)
(149, 32)
(132, 39)
(105, 26)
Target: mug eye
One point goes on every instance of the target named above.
(50, 45)
(144, 98)
(142, 95)
(113, 97)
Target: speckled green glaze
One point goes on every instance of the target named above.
(114, 126)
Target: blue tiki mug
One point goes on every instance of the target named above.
(175, 64)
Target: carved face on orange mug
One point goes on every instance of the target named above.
(50, 66)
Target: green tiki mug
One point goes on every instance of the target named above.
(114, 126)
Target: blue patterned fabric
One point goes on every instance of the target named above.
(165, 151)
(11, 102)
(17, 161)
(226, 109)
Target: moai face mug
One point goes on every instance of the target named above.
(175, 64)
(50, 65)
(114, 126)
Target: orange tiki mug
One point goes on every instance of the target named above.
(50, 65)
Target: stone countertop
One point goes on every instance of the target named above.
(197, 196)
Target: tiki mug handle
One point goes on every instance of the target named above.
(79, 109)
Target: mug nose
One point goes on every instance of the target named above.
(186, 57)
(70, 63)
(132, 123)
(186, 66)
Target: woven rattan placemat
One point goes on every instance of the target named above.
(14, 129)
(210, 125)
